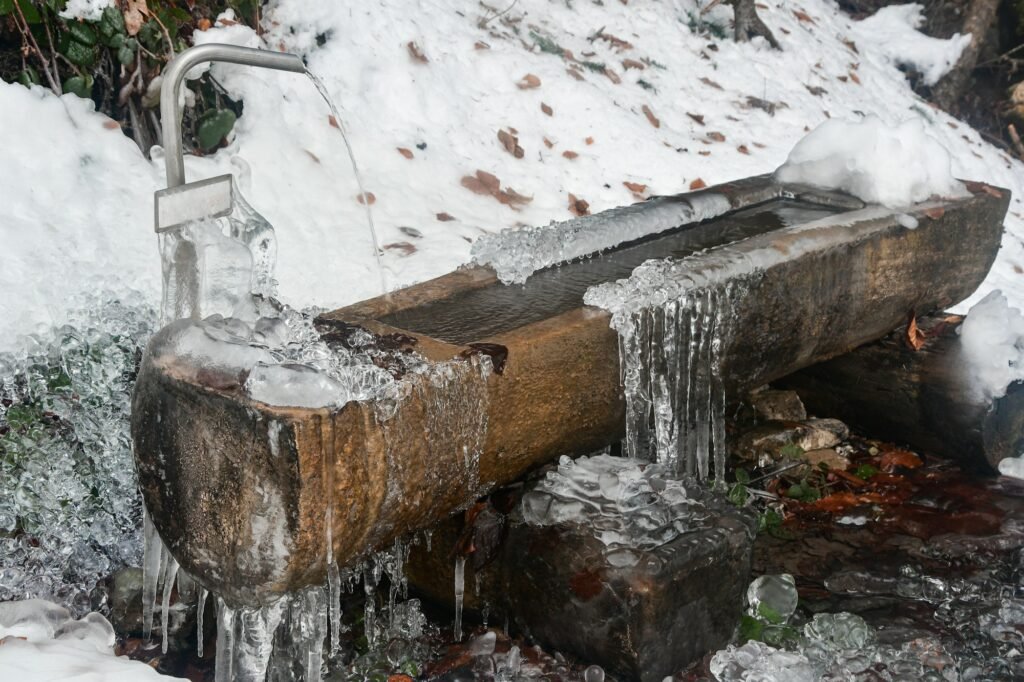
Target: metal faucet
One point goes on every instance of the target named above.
(174, 75)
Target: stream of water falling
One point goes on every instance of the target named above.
(364, 197)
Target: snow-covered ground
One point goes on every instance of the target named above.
(673, 105)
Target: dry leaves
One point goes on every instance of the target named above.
(368, 198)
(638, 190)
(528, 82)
(698, 184)
(333, 121)
(135, 14)
(935, 213)
(716, 136)
(914, 337)
(699, 118)
(815, 90)
(416, 53)
(616, 43)
(578, 207)
(569, 154)
(481, 45)
(742, 149)
(487, 184)
(407, 153)
(708, 81)
(510, 143)
(589, 141)
(403, 249)
(574, 72)
(803, 16)
(981, 187)
(546, 109)
(548, 143)
(854, 78)
(633, 64)
(651, 118)
(445, 217)
(900, 458)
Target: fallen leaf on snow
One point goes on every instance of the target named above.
(445, 217)
(698, 184)
(369, 198)
(569, 154)
(742, 149)
(546, 109)
(633, 64)
(699, 118)
(578, 207)
(803, 16)
(708, 81)
(511, 144)
(650, 116)
(416, 53)
(402, 248)
(716, 136)
(589, 140)
(407, 153)
(529, 82)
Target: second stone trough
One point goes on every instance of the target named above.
(242, 492)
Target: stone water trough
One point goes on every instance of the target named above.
(242, 492)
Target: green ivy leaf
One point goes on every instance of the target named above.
(865, 471)
(112, 26)
(79, 85)
(751, 628)
(29, 76)
(742, 476)
(32, 15)
(80, 54)
(791, 451)
(738, 495)
(126, 54)
(81, 33)
(769, 614)
(214, 125)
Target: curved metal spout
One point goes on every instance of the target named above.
(174, 75)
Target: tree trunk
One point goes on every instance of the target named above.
(980, 15)
(925, 398)
(748, 24)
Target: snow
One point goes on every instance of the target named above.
(892, 33)
(40, 642)
(90, 10)
(892, 165)
(992, 339)
(77, 193)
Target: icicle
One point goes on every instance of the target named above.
(427, 534)
(460, 589)
(200, 608)
(225, 642)
(169, 574)
(153, 550)
(370, 578)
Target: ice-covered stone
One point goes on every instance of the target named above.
(772, 594)
(992, 338)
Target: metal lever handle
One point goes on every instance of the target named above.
(174, 75)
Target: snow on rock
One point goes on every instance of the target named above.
(40, 641)
(90, 10)
(655, 108)
(1012, 466)
(992, 339)
(892, 34)
(892, 165)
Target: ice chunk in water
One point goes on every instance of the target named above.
(758, 661)
(772, 594)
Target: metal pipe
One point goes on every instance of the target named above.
(174, 75)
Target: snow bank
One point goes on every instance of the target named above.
(90, 10)
(992, 339)
(40, 642)
(892, 34)
(76, 194)
(895, 166)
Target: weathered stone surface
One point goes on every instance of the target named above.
(564, 586)
(770, 441)
(827, 456)
(773, 405)
(211, 461)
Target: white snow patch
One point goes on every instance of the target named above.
(77, 194)
(892, 34)
(40, 641)
(89, 10)
(992, 338)
(895, 166)
(1012, 466)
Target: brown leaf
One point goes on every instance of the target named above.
(633, 64)
(704, 152)
(546, 109)
(900, 458)
(548, 143)
(569, 154)
(803, 16)
(529, 82)
(489, 180)
(616, 43)
(481, 45)
(578, 207)
(111, 124)
(760, 146)
(510, 197)
(416, 53)
(369, 198)
(407, 153)
(316, 159)
(135, 14)
(403, 248)
(589, 140)
(636, 188)
(651, 118)
(612, 76)
(445, 217)
(699, 118)
(854, 78)
(851, 45)
(333, 121)
(708, 81)
(914, 337)
(935, 213)
(511, 144)
(815, 90)
(742, 149)
(716, 136)
(698, 184)
(575, 73)
(203, 24)
(981, 187)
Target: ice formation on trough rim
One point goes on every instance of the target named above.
(515, 254)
